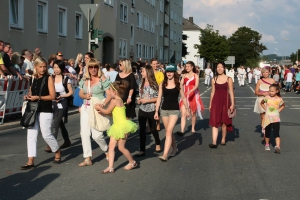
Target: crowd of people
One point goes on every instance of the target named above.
(162, 91)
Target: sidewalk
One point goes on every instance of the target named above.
(15, 122)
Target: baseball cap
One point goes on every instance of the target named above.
(171, 68)
(59, 53)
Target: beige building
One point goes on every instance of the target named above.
(51, 25)
(141, 29)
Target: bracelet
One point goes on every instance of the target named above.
(129, 97)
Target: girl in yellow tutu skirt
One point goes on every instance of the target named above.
(120, 128)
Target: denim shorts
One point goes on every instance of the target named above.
(166, 113)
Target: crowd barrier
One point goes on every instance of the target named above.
(12, 92)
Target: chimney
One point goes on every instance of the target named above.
(191, 19)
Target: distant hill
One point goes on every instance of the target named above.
(271, 57)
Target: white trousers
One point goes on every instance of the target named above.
(207, 80)
(242, 79)
(250, 78)
(86, 131)
(42, 122)
(256, 78)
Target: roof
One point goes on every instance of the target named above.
(189, 25)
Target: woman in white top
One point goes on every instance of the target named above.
(289, 81)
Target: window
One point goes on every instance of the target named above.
(152, 2)
(138, 50)
(78, 25)
(122, 48)
(171, 34)
(123, 12)
(160, 53)
(62, 21)
(109, 2)
(42, 16)
(144, 51)
(16, 14)
(146, 23)
(172, 13)
(161, 6)
(161, 31)
(131, 35)
(157, 16)
(152, 25)
(151, 52)
(139, 20)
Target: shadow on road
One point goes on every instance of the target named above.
(25, 185)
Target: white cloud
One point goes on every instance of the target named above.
(276, 20)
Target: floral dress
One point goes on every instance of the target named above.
(272, 112)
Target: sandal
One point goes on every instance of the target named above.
(163, 159)
(130, 166)
(57, 160)
(85, 163)
(26, 167)
(110, 170)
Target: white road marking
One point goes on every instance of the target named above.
(294, 108)
(244, 108)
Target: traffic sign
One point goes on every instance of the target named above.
(86, 8)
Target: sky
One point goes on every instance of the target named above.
(277, 20)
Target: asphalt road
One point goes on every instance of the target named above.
(240, 170)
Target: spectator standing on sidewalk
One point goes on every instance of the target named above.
(28, 61)
(7, 61)
(44, 116)
(207, 72)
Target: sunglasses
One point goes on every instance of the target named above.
(93, 67)
(120, 64)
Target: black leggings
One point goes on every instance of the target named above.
(268, 129)
(143, 117)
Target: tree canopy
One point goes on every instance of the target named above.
(213, 46)
(245, 46)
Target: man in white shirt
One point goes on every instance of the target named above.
(28, 61)
(289, 81)
(207, 73)
(257, 74)
(242, 76)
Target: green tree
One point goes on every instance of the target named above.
(213, 46)
(245, 45)
(293, 56)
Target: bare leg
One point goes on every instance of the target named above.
(277, 141)
(183, 118)
(30, 161)
(193, 122)
(224, 133)
(125, 152)
(262, 115)
(111, 153)
(214, 135)
(169, 123)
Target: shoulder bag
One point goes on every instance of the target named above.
(29, 116)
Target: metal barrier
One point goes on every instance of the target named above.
(12, 92)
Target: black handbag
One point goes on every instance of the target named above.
(29, 116)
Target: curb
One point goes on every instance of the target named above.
(16, 124)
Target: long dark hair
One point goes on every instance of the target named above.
(176, 80)
(151, 79)
(276, 86)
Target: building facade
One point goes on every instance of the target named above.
(138, 29)
(51, 25)
(192, 31)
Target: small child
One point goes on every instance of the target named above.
(120, 128)
(273, 104)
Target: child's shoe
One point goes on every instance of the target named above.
(277, 149)
(267, 147)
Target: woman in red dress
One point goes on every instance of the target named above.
(189, 84)
(219, 105)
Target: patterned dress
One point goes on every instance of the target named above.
(272, 114)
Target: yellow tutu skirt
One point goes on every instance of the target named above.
(120, 129)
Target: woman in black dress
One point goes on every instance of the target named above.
(130, 93)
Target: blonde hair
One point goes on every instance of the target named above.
(127, 64)
(71, 60)
(38, 62)
(15, 58)
(265, 70)
(92, 62)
